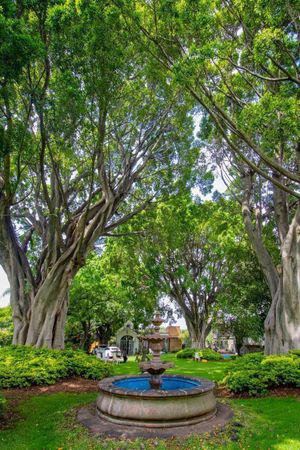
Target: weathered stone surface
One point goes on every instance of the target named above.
(101, 427)
(156, 408)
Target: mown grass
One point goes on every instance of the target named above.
(49, 422)
(212, 370)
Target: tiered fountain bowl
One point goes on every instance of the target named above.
(155, 401)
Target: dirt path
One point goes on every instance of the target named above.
(74, 384)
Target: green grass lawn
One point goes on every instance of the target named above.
(212, 370)
(49, 422)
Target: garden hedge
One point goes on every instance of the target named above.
(205, 353)
(22, 366)
(255, 373)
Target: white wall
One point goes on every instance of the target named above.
(4, 301)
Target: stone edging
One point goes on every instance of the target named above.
(101, 427)
(106, 385)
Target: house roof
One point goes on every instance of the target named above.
(173, 331)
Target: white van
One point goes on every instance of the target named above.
(108, 353)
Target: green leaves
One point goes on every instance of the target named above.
(17, 47)
(22, 366)
(106, 293)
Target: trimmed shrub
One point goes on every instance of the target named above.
(22, 366)
(295, 352)
(210, 355)
(250, 381)
(6, 326)
(248, 361)
(205, 353)
(255, 373)
(186, 353)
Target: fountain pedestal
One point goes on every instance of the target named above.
(156, 367)
(156, 401)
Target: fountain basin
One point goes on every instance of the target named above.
(181, 401)
(168, 383)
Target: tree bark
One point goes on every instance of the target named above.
(198, 333)
(46, 314)
(282, 325)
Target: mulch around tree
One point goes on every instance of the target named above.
(16, 395)
(284, 391)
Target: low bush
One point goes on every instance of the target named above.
(22, 366)
(2, 404)
(186, 353)
(6, 326)
(255, 373)
(210, 355)
(295, 352)
(205, 353)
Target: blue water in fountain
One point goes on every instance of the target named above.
(168, 384)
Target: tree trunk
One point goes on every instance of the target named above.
(238, 344)
(282, 325)
(199, 333)
(40, 315)
(44, 321)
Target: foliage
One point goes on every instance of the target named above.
(89, 136)
(106, 293)
(205, 353)
(239, 62)
(209, 354)
(186, 248)
(255, 373)
(185, 338)
(6, 326)
(28, 366)
(244, 301)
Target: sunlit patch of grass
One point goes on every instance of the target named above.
(49, 422)
(212, 370)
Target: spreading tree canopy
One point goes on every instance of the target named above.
(88, 137)
(239, 61)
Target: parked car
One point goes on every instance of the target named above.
(109, 353)
(100, 351)
(112, 352)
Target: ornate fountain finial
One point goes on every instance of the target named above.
(156, 367)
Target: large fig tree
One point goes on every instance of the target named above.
(87, 139)
(239, 60)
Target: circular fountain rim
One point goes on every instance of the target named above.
(107, 385)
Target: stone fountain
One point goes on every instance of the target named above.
(137, 405)
(156, 367)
